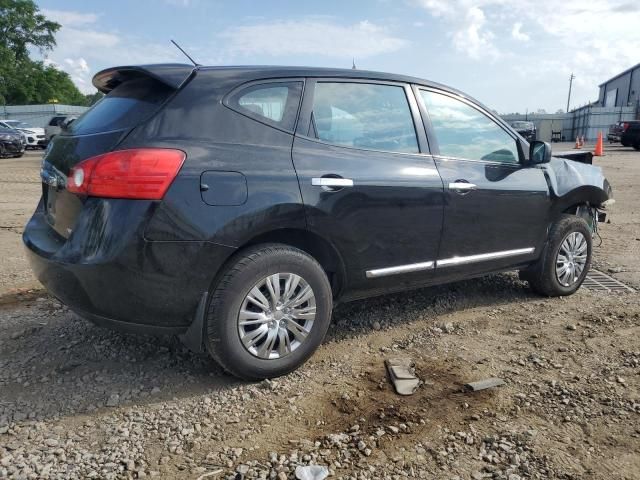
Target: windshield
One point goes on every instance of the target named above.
(17, 124)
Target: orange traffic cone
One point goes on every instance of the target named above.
(599, 151)
(578, 146)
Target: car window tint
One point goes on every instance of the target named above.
(464, 132)
(364, 115)
(275, 103)
(125, 106)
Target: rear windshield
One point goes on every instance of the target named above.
(124, 107)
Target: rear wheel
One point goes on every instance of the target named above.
(565, 261)
(269, 312)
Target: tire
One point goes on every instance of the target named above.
(230, 343)
(543, 277)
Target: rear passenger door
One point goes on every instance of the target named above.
(497, 207)
(366, 183)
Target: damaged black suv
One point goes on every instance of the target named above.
(235, 206)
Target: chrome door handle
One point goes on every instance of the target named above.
(332, 182)
(462, 186)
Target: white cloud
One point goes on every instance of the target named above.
(81, 42)
(311, 37)
(469, 33)
(596, 40)
(70, 18)
(518, 34)
(473, 38)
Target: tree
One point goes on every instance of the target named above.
(92, 98)
(23, 80)
(22, 26)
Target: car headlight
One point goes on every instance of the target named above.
(5, 137)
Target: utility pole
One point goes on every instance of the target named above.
(570, 84)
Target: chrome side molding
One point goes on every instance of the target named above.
(483, 257)
(446, 262)
(412, 267)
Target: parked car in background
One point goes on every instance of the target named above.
(56, 124)
(236, 206)
(12, 143)
(526, 129)
(630, 135)
(34, 136)
(615, 132)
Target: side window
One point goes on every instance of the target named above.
(364, 115)
(274, 103)
(464, 132)
(55, 121)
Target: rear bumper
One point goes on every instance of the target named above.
(122, 280)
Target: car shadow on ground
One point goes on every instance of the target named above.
(54, 363)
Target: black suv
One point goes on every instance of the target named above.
(234, 206)
(630, 134)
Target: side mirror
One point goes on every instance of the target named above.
(539, 152)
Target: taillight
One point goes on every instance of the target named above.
(141, 173)
(625, 125)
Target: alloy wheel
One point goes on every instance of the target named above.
(276, 315)
(571, 259)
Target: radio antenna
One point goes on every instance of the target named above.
(185, 53)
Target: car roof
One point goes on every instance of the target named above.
(176, 74)
(274, 71)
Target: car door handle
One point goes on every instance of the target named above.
(462, 187)
(331, 182)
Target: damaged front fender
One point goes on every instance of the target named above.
(573, 183)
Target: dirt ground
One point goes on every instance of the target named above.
(78, 401)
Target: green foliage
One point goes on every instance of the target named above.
(23, 80)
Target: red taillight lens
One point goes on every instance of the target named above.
(142, 173)
(625, 125)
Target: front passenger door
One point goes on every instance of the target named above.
(496, 208)
(367, 186)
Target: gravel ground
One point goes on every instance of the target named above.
(78, 401)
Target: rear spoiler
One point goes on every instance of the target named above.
(173, 75)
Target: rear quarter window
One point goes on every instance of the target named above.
(126, 106)
(273, 103)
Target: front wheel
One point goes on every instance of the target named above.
(565, 261)
(269, 312)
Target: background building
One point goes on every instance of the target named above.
(623, 90)
(619, 100)
(38, 115)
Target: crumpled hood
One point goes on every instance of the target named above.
(566, 175)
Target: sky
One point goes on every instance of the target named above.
(512, 55)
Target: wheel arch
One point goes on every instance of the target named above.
(583, 195)
(321, 249)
